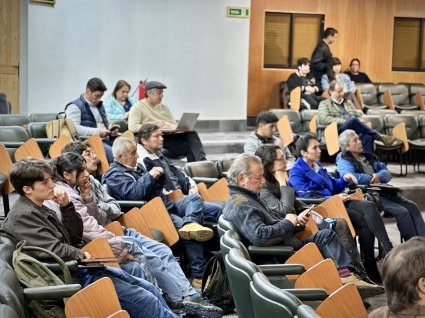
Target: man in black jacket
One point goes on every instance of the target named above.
(322, 54)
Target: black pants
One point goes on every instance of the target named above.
(185, 144)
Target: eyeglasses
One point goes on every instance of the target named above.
(282, 159)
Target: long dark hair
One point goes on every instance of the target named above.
(331, 73)
(67, 162)
(267, 153)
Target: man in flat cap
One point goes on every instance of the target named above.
(150, 110)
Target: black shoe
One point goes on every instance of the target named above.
(201, 308)
(175, 305)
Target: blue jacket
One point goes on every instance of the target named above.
(129, 184)
(87, 118)
(303, 178)
(348, 165)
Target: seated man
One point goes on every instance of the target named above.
(344, 113)
(150, 110)
(368, 170)
(159, 257)
(307, 82)
(403, 272)
(262, 227)
(88, 114)
(29, 219)
(129, 180)
(266, 127)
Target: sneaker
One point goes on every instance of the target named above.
(200, 307)
(197, 283)
(194, 231)
(365, 289)
(176, 306)
(387, 139)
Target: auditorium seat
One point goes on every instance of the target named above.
(14, 120)
(395, 96)
(369, 93)
(42, 117)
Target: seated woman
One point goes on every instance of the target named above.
(280, 198)
(334, 73)
(117, 105)
(355, 75)
(310, 179)
(368, 170)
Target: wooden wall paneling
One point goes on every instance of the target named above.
(9, 51)
(365, 31)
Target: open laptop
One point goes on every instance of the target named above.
(186, 123)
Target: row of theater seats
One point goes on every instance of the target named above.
(401, 96)
(306, 285)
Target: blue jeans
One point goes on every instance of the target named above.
(409, 219)
(107, 145)
(328, 243)
(162, 263)
(137, 296)
(367, 135)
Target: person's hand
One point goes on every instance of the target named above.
(375, 178)
(344, 196)
(292, 217)
(85, 187)
(278, 142)
(61, 197)
(193, 190)
(280, 177)
(156, 172)
(349, 177)
(303, 217)
(104, 132)
(310, 89)
(87, 255)
(130, 258)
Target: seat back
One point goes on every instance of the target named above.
(5, 166)
(231, 239)
(344, 302)
(156, 216)
(369, 93)
(224, 225)
(410, 121)
(376, 122)
(305, 311)
(43, 117)
(240, 272)
(399, 94)
(4, 104)
(37, 129)
(283, 98)
(417, 95)
(308, 118)
(421, 120)
(56, 148)
(134, 219)
(224, 166)
(99, 299)
(381, 112)
(97, 146)
(219, 191)
(322, 275)
(122, 123)
(13, 134)
(201, 169)
(29, 149)
(271, 301)
(14, 120)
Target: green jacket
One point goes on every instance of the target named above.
(329, 113)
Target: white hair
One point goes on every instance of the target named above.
(120, 146)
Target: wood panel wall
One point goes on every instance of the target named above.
(365, 31)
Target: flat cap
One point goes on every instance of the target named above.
(154, 84)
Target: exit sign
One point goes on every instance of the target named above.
(238, 12)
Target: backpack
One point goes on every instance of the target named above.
(33, 273)
(61, 126)
(215, 285)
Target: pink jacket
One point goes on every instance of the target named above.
(90, 215)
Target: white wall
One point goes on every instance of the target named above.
(190, 45)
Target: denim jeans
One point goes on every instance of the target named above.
(162, 264)
(409, 219)
(137, 296)
(107, 145)
(330, 247)
(194, 250)
(367, 135)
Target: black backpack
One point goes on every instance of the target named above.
(215, 285)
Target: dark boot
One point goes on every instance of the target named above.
(372, 270)
(386, 248)
(357, 262)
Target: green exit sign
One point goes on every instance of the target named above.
(238, 12)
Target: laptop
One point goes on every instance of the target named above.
(186, 123)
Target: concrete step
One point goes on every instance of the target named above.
(223, 143)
